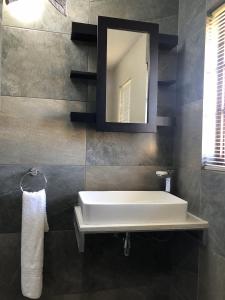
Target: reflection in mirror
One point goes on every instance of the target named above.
(127, 76)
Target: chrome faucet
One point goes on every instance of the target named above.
(167, 175)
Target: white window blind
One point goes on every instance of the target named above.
(214, 91)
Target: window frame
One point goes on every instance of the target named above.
(217, 93)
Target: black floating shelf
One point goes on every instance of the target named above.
(167, 41)
(166, 83)
(84, 32)
(93, 76)
(88, 33)
(83, 117)
(83, 75)
(91, 118)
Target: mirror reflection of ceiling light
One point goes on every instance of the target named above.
(26, 11)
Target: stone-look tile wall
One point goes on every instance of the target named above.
(201, 277)
(37, 97)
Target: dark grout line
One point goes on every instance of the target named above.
(34, 29)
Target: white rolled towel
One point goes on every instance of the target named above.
(34, 224)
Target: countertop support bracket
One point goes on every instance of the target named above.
(80, 237)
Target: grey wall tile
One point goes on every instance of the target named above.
(63, 184)
(211, 276)
(191, 68)
(91, 107)
(103, 266)
(188, 187)
(175, 295)
(167, 66)
(167, 71)
(50, 19)
(91, 93)
(110, 148)
(187, 158)
(213, 3)
(191, 50)
(10, 267)
(184, 260)
(141, 10)
(189, 135)
(166, 101)
(102, 272)
(191, 15)
(24, 107)
(92, 58)
(167, 25)
(38, 131)
(153, 293)
(37, 64)
(213, 210)
(94, 275)
(123, 178)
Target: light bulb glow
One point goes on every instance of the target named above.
(26, 11)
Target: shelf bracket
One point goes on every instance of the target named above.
(80, 237)
(127, 244)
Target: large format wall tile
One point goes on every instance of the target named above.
(39, 109)
(213, 209)
(176, 295)
(188, 187)
(167, 65)
(154, 292)
(191, 68)
(37, 64)
(132, 9)
(101, 272)
(188, 139)
(184, 261)
(38, 131)
(103, 267)
(166, 101)
(189, 135)
(113, 148)
(123, 178)
(51, 19)
(191, 16)
(167, 25)
(191, 51)
(213, 3)
(211, 276)
(64, 182)
(10, 267)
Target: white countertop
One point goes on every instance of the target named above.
(191, 223)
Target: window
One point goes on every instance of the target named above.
(214, 92)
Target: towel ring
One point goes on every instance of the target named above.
(32, 172)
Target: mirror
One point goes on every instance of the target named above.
(127, 75)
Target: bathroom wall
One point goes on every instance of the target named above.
(199, 273)
(37, 97)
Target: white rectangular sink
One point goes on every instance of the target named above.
(131, 207)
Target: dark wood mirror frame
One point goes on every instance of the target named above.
(121, 24)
